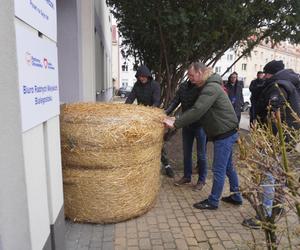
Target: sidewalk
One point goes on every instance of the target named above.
(173, 223)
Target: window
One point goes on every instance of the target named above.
(244, 66)
(124, 67)
(229, 57)
(124, 83)
(218, 69)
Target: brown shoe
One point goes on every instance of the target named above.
(198, 187)
(182, 181)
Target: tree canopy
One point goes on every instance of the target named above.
(167, 35)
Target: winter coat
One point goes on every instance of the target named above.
(278, 90)
(235, 94)
(186, 95)
(213, 110)
(255, 88)
(147, 94)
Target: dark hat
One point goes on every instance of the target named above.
(273, 67)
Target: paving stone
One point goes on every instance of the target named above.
(191, 242)
(235, 237)
(181, 244)
(196, 226)
(156, 242)
(178, 236)
(95, 243)
(194, 248)
(223, 235)
(151, 220)
(188, 232)
(155, 235)
(144, 244)
(208, 228)
(173, 223)
(157, 248)
(163, 225)
(132, 242)
(169, 245)
(200, 235)
(217, 247)
(108, 246)
(229, 244)
(211, 234)
(192, 219)
(133, 248)
(204, 246)
(214, 240)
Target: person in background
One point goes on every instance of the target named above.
(186, 95)
(281, 86)
(216, 115)
(147, 93)
(235, 93)
(255, 88)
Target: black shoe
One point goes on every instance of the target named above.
(205, 205)
(169, 171)
(229, 199)
(252, 223)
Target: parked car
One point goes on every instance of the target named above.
(124, 91)
(247, 102)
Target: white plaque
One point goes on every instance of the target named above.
(38, 76)
(40, 14)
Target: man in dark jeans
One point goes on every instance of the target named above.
(218, 119)
(186, 95)
(147, 93)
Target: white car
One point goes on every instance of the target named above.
(247, 102)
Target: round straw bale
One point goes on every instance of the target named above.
(111, 160)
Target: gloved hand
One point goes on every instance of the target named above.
(276, 102)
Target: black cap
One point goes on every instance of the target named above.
(273, 67)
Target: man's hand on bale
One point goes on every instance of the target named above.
(169, 122)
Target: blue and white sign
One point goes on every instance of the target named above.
(38, 76)
(40, 14)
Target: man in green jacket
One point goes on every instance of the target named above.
(216, 115)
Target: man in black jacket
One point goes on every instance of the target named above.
(147, 93)
(145, 89)
(281, 86)
(186, 95)
(255, 88)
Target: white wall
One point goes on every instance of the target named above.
(53, 167)
(84, 39)
(86, 48)
(30, 166)
(36, 185)
(14, 221)
(68, 56)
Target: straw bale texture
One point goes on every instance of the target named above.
(111, 160)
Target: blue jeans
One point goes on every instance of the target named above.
(268, 193)
(222, 165)
(189, 133)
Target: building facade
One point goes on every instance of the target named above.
(247, 67)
